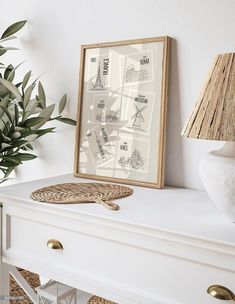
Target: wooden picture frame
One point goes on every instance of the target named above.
(122, 107)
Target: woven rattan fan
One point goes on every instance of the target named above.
(75, 193)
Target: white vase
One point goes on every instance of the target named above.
(217, 172)
(8, 182)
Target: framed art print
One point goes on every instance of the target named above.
(122, 111)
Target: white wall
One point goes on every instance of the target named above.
(51, 43)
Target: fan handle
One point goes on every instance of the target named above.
(108, 204)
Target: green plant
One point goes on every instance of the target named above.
(23, 113)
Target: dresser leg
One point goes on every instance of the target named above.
(4, 283)
(4, 271)
(23, 284)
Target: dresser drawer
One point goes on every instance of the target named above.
(99, 260)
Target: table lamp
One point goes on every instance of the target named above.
(213, 117)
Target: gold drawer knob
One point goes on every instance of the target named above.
(221, 292)
(54, 244)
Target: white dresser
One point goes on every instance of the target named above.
(162, 247)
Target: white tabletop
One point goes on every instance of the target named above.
(185, 211)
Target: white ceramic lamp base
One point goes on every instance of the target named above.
(217, 172)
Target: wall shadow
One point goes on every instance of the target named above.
(175, 170)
